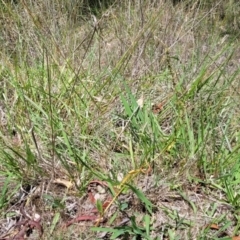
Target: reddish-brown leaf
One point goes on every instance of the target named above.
(81, 218)
(236, 238)
(214, 226)
(157, 108)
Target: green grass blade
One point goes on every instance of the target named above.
(142, 197)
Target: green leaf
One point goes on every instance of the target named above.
(30, 156)
(54, 222)
(3, 196)
(123, 206)
(118, 233)
(142, 197)
(146, 220)
(99, 206)
(136, 229)
(112, 219)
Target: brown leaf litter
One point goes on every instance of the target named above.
(186, 216)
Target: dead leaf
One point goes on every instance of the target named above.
(157, 108)
(100, 99)
(236, 238)
(82, 218)
(140, 102)
(63, 182)
(214, 226)
(93, 215)
(100, 189)
(120, 177)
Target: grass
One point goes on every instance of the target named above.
(130, 109)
